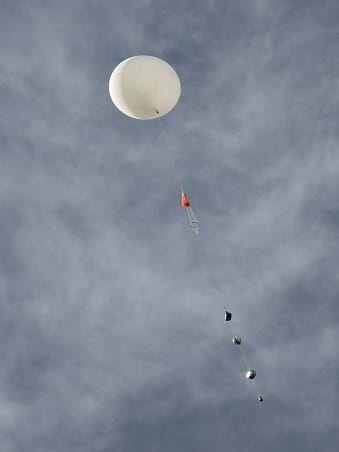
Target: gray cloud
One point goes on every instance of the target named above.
(112, 332)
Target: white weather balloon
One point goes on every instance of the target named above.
(144, 87)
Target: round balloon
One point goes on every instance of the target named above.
(144, 87)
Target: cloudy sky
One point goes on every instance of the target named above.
(112, 334)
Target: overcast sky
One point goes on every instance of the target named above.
(112, 332)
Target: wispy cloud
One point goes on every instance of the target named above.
(112, 332)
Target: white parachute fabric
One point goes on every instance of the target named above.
(192, 220)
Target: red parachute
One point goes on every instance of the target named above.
(191, 217)
(184, 200)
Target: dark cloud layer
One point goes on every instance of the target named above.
(111, 328)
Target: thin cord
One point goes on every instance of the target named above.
(164, 134)
(244, 357)
(191, 216)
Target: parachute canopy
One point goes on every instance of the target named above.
(144, 87)
(184, 200)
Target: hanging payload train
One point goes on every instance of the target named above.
(185, 203)
(250, 373)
